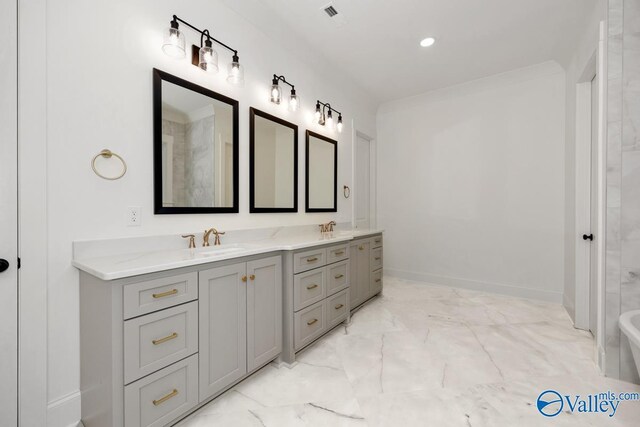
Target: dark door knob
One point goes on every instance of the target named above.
(4, 265)
(587, 237)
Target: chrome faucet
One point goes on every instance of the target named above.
(207, 233)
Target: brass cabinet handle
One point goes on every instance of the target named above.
(314, 259)
(377, 258)
(165, 294)
(339, 276)
(361, 247)
(167, 397)
(339, 252)
(311, 322)
(378, 240)
(339, 306)
(312, 287)
(378, 280)
(252, 277)
(165, 339)
(244, 278)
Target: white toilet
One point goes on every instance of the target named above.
(630, 325)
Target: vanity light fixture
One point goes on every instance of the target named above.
(326, 119)
(276, 93)
(203, 56)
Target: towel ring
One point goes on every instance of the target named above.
(107, 154)
(346, 191)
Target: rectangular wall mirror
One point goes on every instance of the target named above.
(195, 148)
(321, 173)
(273, 168)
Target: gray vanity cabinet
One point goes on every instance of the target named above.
(366, 269)
(240, 321)
(223, 327)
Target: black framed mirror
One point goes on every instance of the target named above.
(321, 172)
(195, 148)
(273, 163)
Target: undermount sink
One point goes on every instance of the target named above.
(220, 250)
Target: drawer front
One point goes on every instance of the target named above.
(153, 295)
(376, 241)
(303, 261)
(336, 308)
(156, 340)
(309, 324)
(337, 253)
(376, 259)
(376, 282)
(160, 398)
(337, 277)
(308, 288)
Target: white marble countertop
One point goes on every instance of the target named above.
(117, 266)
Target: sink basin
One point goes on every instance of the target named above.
(220, 250)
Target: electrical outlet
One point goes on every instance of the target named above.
(133, 216)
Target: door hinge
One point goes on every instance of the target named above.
(19, 262)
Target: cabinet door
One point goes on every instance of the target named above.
(223, 327)
(354, 297)
(363, 271)
(264, 311)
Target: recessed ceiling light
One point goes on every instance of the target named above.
(429, 41)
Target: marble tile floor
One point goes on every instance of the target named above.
(424, 355)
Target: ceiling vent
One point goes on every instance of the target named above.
(330, 10)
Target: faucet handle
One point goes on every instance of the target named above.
(192, 240)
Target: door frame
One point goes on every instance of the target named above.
(595, 66)
(373, 156)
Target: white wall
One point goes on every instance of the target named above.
(99, 59)
(471, 184)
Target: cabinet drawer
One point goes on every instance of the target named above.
(156, 340)
(336, 308)
(145, 297)
(309, 324)
(303, 261)
(160, 398)
(376, 241)
(308, 288)
(337, 277)
(376, 259)
(337, 253)
(376, 282)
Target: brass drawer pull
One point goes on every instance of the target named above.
(312, 287)
(252, 277)
(165, 339)
(339, 276)
(314, 259)
(361, 247)
(244, 278)
(339, 306)
(378, 280)
(167, 397)
(377, 258)
(339, 253)
(378, 240)
(165, 294)
(311, 322)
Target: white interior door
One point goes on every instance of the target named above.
(362, 188)
(8, 215)
(593, 271)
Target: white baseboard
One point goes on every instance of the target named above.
(65, 411)
(570, 308)
(497, 288)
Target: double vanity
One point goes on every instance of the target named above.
(163, 332)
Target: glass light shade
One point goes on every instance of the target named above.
(208, 59)
(236, 74)
(329, 121)
(173, 44)
(339, 125)
(276, 94)
(294, 102)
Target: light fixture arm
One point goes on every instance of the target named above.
(328, 106)
(277, 78)
(205, 33)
